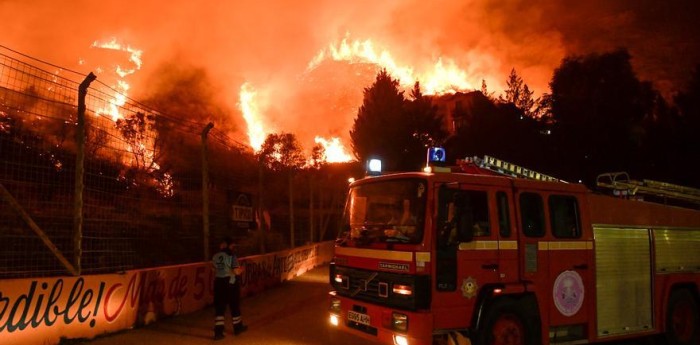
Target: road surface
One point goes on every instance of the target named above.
(294, 313)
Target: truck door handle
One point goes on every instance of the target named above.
(581, 267)
(490, 267)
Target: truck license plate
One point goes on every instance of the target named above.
(358, 317)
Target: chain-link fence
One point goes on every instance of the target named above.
(139, 200)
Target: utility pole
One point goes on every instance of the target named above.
(205, 191)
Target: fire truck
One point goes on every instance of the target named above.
(494, 253)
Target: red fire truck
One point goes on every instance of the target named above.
(499, 254)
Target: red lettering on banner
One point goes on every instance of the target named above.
(134, 296)
(178, 286)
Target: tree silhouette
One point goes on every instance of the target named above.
(518, 93)
(282, 153)
(393, 128)
(485, 90)
(374, 132)
(496, 129)
(688, 102)
(423, 125)
(598, 106)
(683, 132)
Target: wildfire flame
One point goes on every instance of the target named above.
(249, 104)
(443, 77)
(251, 113)
(135, 55)
(143, 149)
(334, 152)
(121, 85)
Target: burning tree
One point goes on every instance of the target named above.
(137, 131)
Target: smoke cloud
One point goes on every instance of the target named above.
(269, 44)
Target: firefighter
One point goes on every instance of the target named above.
(226, 289)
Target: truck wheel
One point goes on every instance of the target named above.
(505, 324)
(682, 320)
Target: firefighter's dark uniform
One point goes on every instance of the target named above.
(226, 292)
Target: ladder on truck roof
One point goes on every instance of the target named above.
(622, 185)
(506, 168)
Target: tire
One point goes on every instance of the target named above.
(682, 319)
(505, 323)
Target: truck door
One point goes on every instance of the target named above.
(570, 252)
(533, 260)
(503, 212)
(466, 253)
(556, 262)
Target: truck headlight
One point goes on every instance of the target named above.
(400, 340)
(399, 322)
(401, 289)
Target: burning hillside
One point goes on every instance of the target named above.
(303, 72)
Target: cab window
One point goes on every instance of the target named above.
(564, 216)
(532, 212)
(503, 214)
(468, 207)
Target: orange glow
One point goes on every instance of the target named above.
(403, 290)
(135, 55)
(121, 85)
(251, 113)
(441, 78)
(334, 152)
(142, 152)
(444, 76)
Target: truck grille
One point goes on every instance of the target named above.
(375, 287)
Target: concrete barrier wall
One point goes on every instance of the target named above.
(44, 310)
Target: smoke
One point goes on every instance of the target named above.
(269, 45)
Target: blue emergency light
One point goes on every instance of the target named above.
(436, 156)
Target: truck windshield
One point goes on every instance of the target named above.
(385, 211)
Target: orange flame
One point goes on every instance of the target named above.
(135, 55)
(443, 77)
(334, 152)
(249, 106)
(121, 86)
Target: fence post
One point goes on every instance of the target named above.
(261, 213)
(291, 210)
(311, 207)
(205, 191)
(79, 174)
